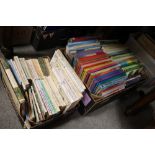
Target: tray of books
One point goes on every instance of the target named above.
(42, 89)
(106, 67)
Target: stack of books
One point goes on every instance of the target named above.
(81, 44)
(105, 69)
(126, 59)
(47, 86)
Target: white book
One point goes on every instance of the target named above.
(29, 64)
(64, 81)
(32, 70)
(71, 84)
(56, 87)
(43, 105)
(61, 102)
(37, 104)
(76, 94)
(20, 69)
(61, 91)
(37, 68)
(52, 97)
(11, 78)
(63, 84)
(44, 97)
(66, 90)
(51, 83)
(78, 83)
(47, 98)
(25, 67)
(17, 71)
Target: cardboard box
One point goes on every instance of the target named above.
(50, 121)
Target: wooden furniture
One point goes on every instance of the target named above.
(142, 102)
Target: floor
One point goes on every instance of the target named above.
(109, 116)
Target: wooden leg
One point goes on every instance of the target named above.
(143, 101)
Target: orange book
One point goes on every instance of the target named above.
(97, 63)
(95, 69)
(100, 73)
(87, 61)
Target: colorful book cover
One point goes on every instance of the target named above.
(91, 67)
(86, 77)
(105, 77)
(100, 73)
(108, 83)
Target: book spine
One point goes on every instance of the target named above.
(31, 114)
(37, 68)
(24, 67)
(63, 84)
(37, 105)
(21, 72)
(49, 101)
(56, 93)
(61, 91)
(15, 86)
(43, 66)
(77, 94)
(14, 71)
(39, 99)
(51, 96)
(42, 94)
(33, 70)
(70, 70)
(32, 75)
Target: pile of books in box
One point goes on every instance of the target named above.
(127, 61)
(106, 69)
(45, 87)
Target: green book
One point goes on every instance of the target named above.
(43, 66)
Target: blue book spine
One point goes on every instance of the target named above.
(14, 72)
(70, 44)
(84, 48)
(114, 82)
(105, 77)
